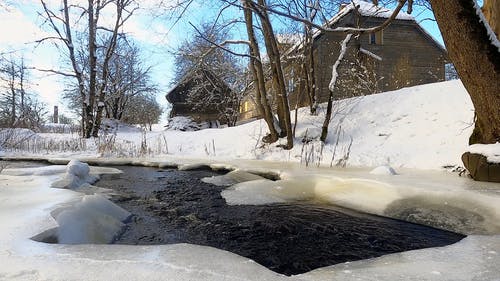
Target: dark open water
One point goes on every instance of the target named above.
(171, 206)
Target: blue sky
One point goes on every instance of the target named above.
(20, 26)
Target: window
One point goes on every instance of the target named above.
(376, 38)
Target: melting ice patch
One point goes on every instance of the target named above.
(460, 211)
(232, 178)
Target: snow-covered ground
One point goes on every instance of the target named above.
(423, 127)
(409, 130)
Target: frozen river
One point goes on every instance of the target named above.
(29, 206)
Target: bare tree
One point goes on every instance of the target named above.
(127, 78)
(18, 107)
(91, 87)
(143, 110)
(331, 87)
(257, 71)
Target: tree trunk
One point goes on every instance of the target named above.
(477, 62)
(92, 49)
(277, 74)
(491, 10)
(331, 87)
(309, 68)
(12, 83)
(258, 76)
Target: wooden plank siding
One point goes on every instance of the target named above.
(409, 56)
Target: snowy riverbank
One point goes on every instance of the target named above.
(29, 204)
(422, 127)
(416, 131)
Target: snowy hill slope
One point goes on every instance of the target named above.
(424, 127)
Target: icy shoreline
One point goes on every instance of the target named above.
(28, 200)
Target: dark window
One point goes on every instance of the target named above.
(376, 38)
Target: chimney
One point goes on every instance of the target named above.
(56, 114)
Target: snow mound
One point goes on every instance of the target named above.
(94, 220)
(183, 123)
(77, 176)
(112, 125)
(491, 151)
(383, 170)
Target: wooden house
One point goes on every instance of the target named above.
(202, 96)
(401, 55)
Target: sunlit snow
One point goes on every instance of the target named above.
(393, 134)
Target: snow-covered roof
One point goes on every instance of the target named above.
(290, 38)
(369, 9)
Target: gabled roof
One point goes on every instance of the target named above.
(371, 10)
(366, 9)
(190, 75)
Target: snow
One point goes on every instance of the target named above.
(491, 151)
(77, 175)
(422, 127)
(28, 204)
(368, 53)
(415, 131)
(383, 170)
(369, 9)
(94, 220)
(343, 49)
(491, 34)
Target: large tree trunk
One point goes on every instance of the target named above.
(277, 74)
(491, 10)
(92, 49)
(257, 71)
(477, 62)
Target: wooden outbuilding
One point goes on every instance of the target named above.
(202, 96)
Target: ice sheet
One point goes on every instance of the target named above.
(26, 203)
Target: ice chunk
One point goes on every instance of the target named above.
(232, 178)
(93, 220)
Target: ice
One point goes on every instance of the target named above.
(232, 178)
(466, 260)
(454, 209)
(415, 133)
(27, 201)
(94, 220)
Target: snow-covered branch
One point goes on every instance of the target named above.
(343, 49)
